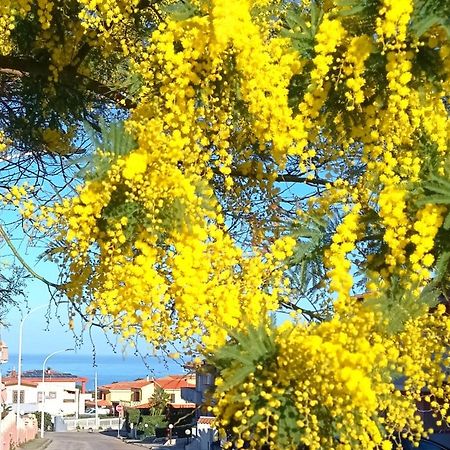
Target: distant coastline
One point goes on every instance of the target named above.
(109, 368)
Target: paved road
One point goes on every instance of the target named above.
(86, 441)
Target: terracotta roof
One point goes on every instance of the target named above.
(99, 402)
(173, 405)
(169, 382)
(33, 381)
(175, 382)
(125, 385)
(206, 420)
(143, 406)
(13, 382)
(183, 405)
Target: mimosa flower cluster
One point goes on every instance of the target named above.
(233, 98)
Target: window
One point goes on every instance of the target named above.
(172, 398)
(22, 396)
(39, 398)
(136, 396)
(51, 395)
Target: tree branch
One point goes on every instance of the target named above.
(24, 67)
(281, 178)
(24, 263)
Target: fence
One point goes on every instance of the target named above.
(86, 424)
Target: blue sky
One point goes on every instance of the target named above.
(44, 332)
(43, 335)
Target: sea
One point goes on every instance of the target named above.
(109, 368)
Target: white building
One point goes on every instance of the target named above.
(64, 395)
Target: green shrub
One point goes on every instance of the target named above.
(48, 423)
(152, 422)
(133, 416)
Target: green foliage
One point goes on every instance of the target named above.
(437, 191)
(114, 139)
(48, 423)
(12, 287)
(133, 415)
(428, 14)
(148, 424)
(311, 237)
(119, 208)
(302, 30)
(180, 10)
(111, 138)
(159, 401)
(246, 350)
(289, 431)
(398, 306)
(358, 14)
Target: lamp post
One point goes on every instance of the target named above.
(96, 400)
(188, 435)
(3, 359)
(19, 364)
(43, 381)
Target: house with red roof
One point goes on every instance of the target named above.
(138, 393)
(64, 393)
(173, 386)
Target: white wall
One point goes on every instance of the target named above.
(61, 398)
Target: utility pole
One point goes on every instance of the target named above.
(96, 400)
(3, 359)
(43, 385)
(19, 366)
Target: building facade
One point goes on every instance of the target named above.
(140, 392)
(61, 394)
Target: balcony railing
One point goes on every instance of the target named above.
(131, 403)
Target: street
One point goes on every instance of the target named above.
(85, 441)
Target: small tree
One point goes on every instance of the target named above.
(133, 416)
(148, 424)
(159, 401)
(48, 422)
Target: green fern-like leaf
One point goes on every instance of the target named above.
(437, 190)
(181, 10)
(428, 14)
(398, 306)
(113, 139)
(245, 351)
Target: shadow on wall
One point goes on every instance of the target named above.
(202, 439)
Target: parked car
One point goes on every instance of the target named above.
(101, 411)
(425, 444)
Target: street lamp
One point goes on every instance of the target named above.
(43, 381)
(19, 364)
(188, 435)
(3, 359)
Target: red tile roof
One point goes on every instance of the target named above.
(173, 405)
(168, 382)
(144, 406)
(125, 385)
(99, 402)
(206, 420)
(13, 382)
(175, 382)
(182, 405)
